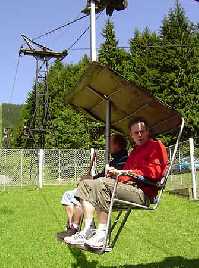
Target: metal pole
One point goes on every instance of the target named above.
(4, 170)
(108, 126)
(41, 158)
(93, 168)
(193, 171)
(36, 94)
(21, 166)
(93, 32)
(75, 163)
(170, 157)
(59, 166)
(180, 166)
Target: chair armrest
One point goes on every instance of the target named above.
(139, 178)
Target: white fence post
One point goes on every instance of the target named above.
(193, 171)
(93, 168)
(75, 163)
(170, 157)
(59, 166)
(21, 167)
(4, 177)
(41, 158)
(4, 183)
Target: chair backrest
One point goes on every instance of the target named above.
(163, 182)
(169, 167)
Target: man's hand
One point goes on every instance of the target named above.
(111, 171)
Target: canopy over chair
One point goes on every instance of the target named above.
(105, 95)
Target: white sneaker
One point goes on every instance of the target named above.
(77, 239)
(96, 241)
(80, 238)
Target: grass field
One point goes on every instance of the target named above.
(29, 220)
(181, 180)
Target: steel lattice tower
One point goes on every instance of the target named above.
(37, 125)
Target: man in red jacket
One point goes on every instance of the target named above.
(146, 162)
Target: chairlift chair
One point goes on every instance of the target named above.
(106, 96)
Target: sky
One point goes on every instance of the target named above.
(33, 18)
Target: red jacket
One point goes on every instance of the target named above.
(148, 160)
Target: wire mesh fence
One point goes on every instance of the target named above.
(24, 167)
(183, 177)
(18, 167)
(62, 166)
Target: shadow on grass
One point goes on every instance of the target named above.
(6, 211)
(81, 260)
(170, 262)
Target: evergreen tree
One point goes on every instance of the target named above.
(66, 128)
(180, 67)
(168, 65)
(144, 59)
(108, 50)
(109, 53)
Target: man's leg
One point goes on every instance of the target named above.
(102, 216)
(89, 210)
(103, 192)
(85, 192)
(124, 192)
(98, 195)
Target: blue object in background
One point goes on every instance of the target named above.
(185, 165)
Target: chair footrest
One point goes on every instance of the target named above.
(98, 251)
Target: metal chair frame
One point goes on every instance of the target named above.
(121, 205)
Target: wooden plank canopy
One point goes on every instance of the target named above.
(128, 100)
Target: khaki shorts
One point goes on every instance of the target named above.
(98, 192)
(68, 198)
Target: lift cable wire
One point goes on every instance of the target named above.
(142, 46)
(82, 34)
(36, 38)
(167, 46)
(78, 39)
(87, 48)
(59, 27)
(45, 34)
(14, 80)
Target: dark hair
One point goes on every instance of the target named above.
(119, 139)
(137, 120)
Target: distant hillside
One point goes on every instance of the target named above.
(0, 125)
(10, 115)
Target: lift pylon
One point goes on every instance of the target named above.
(37, 125)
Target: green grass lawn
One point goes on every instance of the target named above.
(29, 220)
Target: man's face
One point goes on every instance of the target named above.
(114, 146)
(139, 133)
